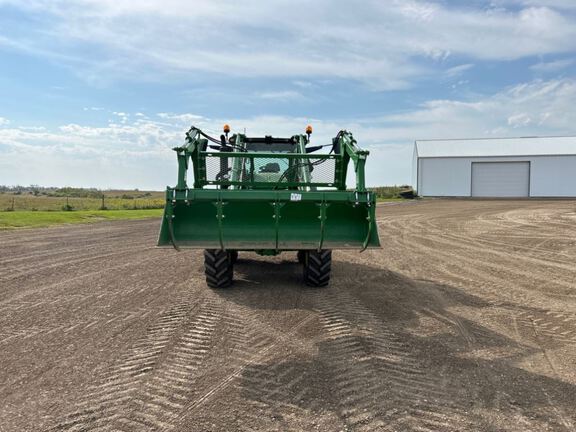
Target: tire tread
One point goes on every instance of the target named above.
(218, 268)
(317, 266)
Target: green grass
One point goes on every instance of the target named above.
(389, 193)
(26, 202)
(36, 219)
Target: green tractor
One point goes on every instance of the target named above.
(268, 195)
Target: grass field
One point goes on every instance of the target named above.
(113, 200)
(45, 199)
(35, 219)
(389, 193)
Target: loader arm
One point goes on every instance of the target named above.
(189, 151)
(345, 144)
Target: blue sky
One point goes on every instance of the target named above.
(96, 92)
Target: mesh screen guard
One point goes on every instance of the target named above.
(286, 169)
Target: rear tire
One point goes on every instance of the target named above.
(218, 268)
(317, 267)
(233, 256)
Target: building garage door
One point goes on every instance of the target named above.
(500, 179)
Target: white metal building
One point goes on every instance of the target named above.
(506, 167)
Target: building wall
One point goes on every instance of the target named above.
(553, 176)
(415, 168)
(444, 176)
(550, 176)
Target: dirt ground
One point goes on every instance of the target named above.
(464, 320)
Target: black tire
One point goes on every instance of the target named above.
(218, 268)
(301, 256)
(233, 256)
(317, 267)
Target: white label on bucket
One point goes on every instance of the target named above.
(295, 197)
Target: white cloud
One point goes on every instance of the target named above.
(182, 118)
(33, 128)
(303, 84)
(118, 155)
(137, 153)
(122, 117)
(520, 120)
(549, 105)
(281, 96)
(458, 70)
(4, 121)
(418, 11)
(380, 42)
(558, 4)
(553, 66)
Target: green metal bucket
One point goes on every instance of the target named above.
(270, 220)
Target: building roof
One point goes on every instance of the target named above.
(482, 147)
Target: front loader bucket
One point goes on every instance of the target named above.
(267, 220)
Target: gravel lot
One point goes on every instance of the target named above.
(464, 320)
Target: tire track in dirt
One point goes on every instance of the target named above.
(501, 263)
(34, 291)
(483, 273)
(251, 367)
(104, 404)
(491, 279)
(50, 267)
(274, 386)
(468, 246)
(153, 388)
(461, 234)
(371, 364)
(468, 274)
(551, 325)
(49, 332)
(563, 418)
(31, 259)
(505, 263)
(471, 232)
(261, 352)
(168, 390)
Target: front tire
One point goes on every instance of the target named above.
(317, 266)
(218, 268)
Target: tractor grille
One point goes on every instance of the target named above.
(251, 169)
